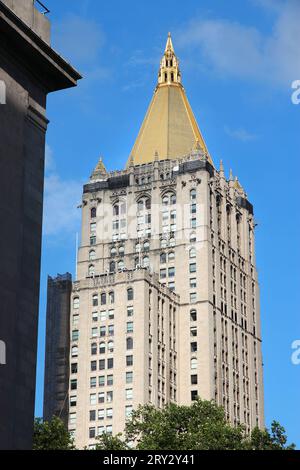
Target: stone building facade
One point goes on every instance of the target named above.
(29, 70)
(165, 307)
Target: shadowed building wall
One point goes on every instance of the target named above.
(29, 70)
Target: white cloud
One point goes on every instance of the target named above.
(236, 50)
(61, 198)
(240, 134)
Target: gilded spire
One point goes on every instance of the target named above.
(169, 127)
(169, 73)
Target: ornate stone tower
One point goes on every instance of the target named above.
(166, 304)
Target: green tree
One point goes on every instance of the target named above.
(51, 435)
(201, 426)
(109, 442)
(262, 439)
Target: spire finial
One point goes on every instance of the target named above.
(230, 175)
(169, 73)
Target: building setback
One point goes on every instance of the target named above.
(29, 70)
(165, 307)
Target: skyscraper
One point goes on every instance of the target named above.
(29, 70)
(165, 307)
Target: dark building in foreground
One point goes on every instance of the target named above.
(29, 70)
(57, 347)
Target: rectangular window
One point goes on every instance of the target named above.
(110, 363)
(111, 314)
(92, 415)
(171, 286)
(72, 418)
(102, 364)
(94, 332)
(75, 320)
(193, 297)
(194, 347)
(193, 283)
(110, 330)
(95, 316)
(101, 397)
(92, 241)
(110, 396)
(109, 413)
(101, 430)
(103, 315)
(92, 433)
(101, 381)
(129, 328)
(193, 267)
(110, 380)
(74, 384)
(74, 368)
(193, 223)
(101, 414)
(75, 335)
(93, 229)
(194, 379)
(163, 273)
(171, 272)
(194, 395)
(193, 208)
(129, 393)
(93, 366)
(109, 429)
(93, 399)
(73, 400)
(102, 331)
(129, 311)
(129, 361)
(93, 382)
(128, 411)
(129, 377)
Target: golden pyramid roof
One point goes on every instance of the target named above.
(169, 128)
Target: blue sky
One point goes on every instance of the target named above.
(237, 65)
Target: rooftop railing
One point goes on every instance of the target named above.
(41, 7)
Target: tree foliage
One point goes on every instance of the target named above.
(201, 426)
(51, 435)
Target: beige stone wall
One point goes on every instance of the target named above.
(226, 298)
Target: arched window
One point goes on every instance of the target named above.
(163, 258)
(93, 212)
(129, 343)
(102, 348)
(172, 242)
(137, 247)
(146, 246)
(92, 255)
(93, 349)
(148, 203)
(121, 265)
(121, 251)
(111, 297)
(116, 209)
(110, 347)
(130, 294)
(91, 270)
(95, 300)
(113, 251)
(193, 253)
(173, 199)
(194, 363)
(163, 243)
(76, 303)
(193, 237)
(193, 194)
(171, 256)
(103, 298)
(112, 267)
(146, 262)
(193, 315)
(165, 201)
(74, 351)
